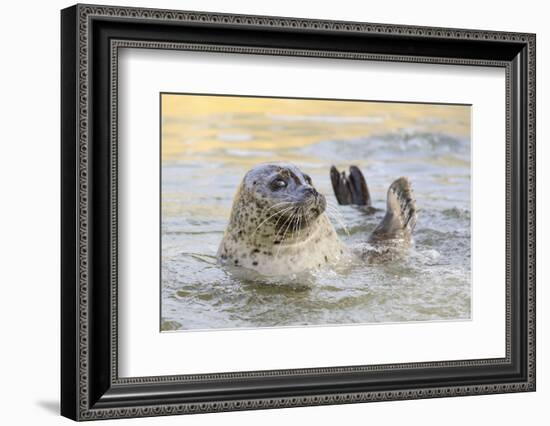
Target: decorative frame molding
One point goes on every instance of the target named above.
(91, 388)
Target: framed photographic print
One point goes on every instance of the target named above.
(263, 212)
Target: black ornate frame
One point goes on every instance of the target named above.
(91, 38)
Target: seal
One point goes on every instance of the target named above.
(278, 224)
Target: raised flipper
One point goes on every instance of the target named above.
(351, 189)
(400, 218)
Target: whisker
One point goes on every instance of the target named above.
(331, 203)
(267, 209)
(335, 217)
(299, 227)
(335, 211)
(344, 227)
(279, 229)
(282, 211)
(333, 207)
(298, 218)
(284, 234)
(277, 223)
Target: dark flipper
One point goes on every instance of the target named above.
(351, 189)
(400, 218)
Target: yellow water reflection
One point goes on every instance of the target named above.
(195, 124)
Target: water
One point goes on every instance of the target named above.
(205, 159)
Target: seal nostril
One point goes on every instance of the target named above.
(311, 191)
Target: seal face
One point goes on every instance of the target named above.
(278, 224)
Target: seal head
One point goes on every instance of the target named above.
(278, 224)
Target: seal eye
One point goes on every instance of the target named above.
(307, 179)
(278, 183)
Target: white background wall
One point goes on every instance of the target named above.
(29, 211)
